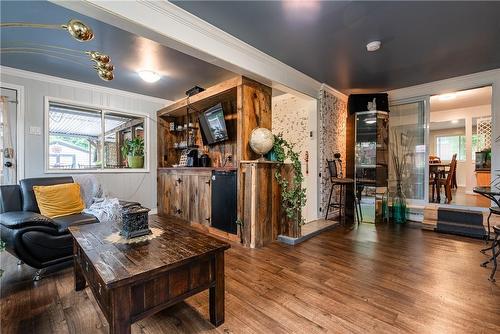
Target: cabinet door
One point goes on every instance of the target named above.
(184, 193)
(193, 198)
(167, 194)
(204, 206)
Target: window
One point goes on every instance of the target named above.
(446, 146)
(82, 138)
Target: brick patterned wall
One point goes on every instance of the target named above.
(332, 139)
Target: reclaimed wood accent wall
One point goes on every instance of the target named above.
(262, 214)
(254, 110)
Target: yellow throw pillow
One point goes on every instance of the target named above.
(59, 200)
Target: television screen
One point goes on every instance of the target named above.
(213, 125)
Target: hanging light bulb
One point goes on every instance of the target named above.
(79, 30)
(98, 56)
(105, 66)
(104, 74)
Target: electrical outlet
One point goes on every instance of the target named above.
(35, 130)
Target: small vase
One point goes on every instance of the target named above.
(399, 207)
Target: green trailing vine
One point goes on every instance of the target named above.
(293, 195)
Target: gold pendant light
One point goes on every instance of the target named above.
(76, 28)
(79, 31)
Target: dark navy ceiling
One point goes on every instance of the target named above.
(422, 41)
(128, 53)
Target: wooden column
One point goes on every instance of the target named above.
(262, 213)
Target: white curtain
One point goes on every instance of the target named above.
(9, 173)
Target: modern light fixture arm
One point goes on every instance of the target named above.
(32, 25)
(77, 29)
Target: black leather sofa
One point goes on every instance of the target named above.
(37, 240)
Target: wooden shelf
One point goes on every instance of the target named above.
(203, 100)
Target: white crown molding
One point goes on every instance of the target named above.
(334, 92)
(174, 27)
(5, 70)
(475, 80)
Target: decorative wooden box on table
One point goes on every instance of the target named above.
(185, 192)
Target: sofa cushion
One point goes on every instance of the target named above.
(59, 199)
(27, 194)
(20, 219)
(77, 219)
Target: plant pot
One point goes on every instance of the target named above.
(135, 161)
(271, 155)
(399, 208)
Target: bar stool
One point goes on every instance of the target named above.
(495, 251)
(337, 180)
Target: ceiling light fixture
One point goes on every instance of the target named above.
(447, 96)
(373, 46)
(454, 121)
(149, 75)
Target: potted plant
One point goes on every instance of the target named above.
(293, 194)
(134, 151)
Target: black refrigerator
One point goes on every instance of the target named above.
(224, 197)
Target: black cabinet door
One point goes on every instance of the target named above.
(224, 201)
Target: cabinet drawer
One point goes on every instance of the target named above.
(99, 290)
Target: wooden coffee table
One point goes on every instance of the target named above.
(131, 281)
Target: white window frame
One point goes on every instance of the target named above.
(104, 110)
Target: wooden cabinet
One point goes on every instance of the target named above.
(185, 194)
(204, 205)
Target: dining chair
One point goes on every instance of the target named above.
(447, 180)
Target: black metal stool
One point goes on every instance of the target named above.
(336, 179)
(495, 251)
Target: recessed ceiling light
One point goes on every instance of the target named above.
(149, 76)
(454, 121)
(373, 46)
(447, 97)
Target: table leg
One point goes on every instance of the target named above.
(80, 281)
(216, 293)
(120, 311)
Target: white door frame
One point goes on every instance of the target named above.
(19, 128)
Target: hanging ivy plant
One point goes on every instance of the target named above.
(293, 195)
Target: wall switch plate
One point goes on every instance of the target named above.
(35, 130)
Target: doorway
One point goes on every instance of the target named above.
(9, 114)
(460, 127)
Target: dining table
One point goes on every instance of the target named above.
(435, 169)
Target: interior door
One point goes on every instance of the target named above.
(8, 138)
(408, 127)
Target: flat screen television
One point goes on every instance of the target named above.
(213, 126)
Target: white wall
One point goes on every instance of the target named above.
(295, 118)
(139, 187)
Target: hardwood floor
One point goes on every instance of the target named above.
(375, 279)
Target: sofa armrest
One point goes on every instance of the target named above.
(10, 198)
(21, 219)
